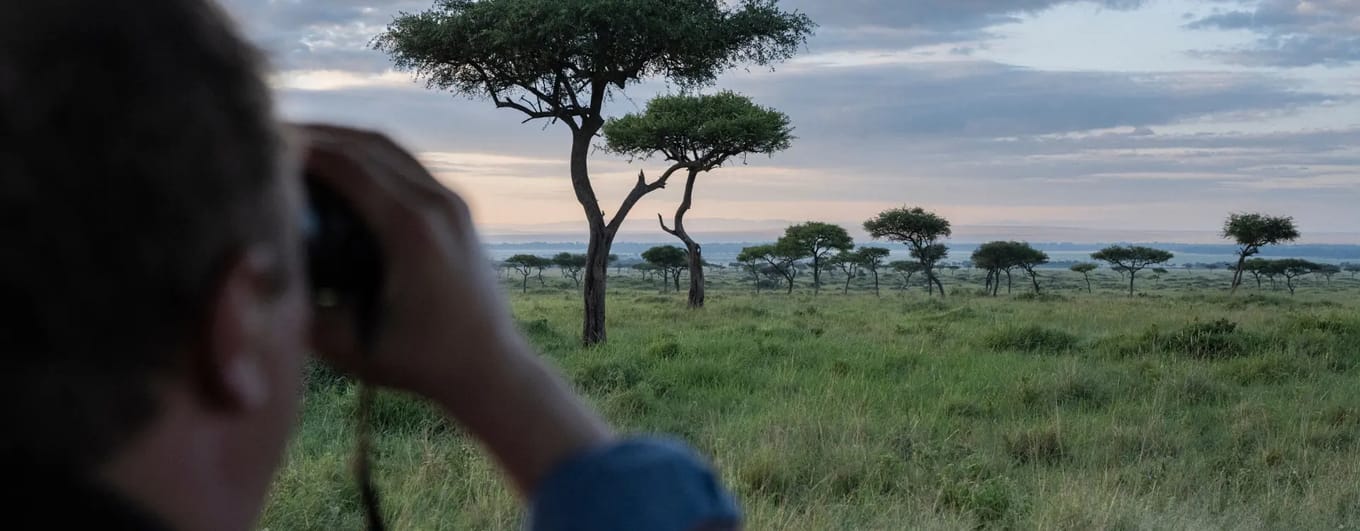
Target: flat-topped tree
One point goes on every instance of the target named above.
(670, 260)
(1290, 269)
(783, 261)
(1085, 268)
(872, 259)
(1028, 258)
(848, 262)
(906, 269)
(1257, 267)
(571, 265)
(697, 134)
(526, 265)
(1131, 259)
(559, 60)
(816, 241)
(920, 231)
(1254, 231)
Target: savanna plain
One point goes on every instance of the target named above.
(1180, 408)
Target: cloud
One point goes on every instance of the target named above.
(1291, 33)
(902, 25)
(319, 34)
(984, 99)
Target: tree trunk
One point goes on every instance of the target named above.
(816, 274)
(1035, 279)
(525, 287)
(1008, 282)
(596, 281)
(1088, 282)
(676, 277)
(1237, 273)
(696, 260)
(876, 293)
(1131, 275)
(1289, 281)
(848, 276)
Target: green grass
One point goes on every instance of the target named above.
(1181, 408)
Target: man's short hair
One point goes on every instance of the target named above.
(137, 149)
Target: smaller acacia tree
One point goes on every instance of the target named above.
(1132, 259)
(1085, 268)
(905, 269)
(1328, 271)
(781, 261)
(920, 231)
(1028, 258)
(526, 265)
(1290, 269)
(816, 241)
(1257, 267)
(871, 259)
(1254, 231)
(571, 266)
(698, 133)
(848, 263)
(989, 257)
(1003, 256)
(670, 260)
(752, 266)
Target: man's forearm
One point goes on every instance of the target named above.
(526, 415)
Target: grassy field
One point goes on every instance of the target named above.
(1181, 408)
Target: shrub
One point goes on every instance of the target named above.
(1078, 389)
(991, 501)
(1209, 340)
(603, 377)
(666, 348)
(1030, 338)
(1043, 446)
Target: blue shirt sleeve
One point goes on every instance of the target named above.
(637, 484)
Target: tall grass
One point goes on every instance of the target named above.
(1178, 409)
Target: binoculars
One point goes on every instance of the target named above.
(344, 262)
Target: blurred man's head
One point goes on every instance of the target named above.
(149, 274)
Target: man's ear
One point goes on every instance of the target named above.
(232, 372)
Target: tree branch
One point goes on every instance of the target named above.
(662, 221)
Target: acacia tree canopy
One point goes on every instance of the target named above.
(702, 131)
(920, 230)
(1131, 259)
(814, 240)
(558, 59)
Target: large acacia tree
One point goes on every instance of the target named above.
(1252, 232)
(921, 231)
(698, 133)
(559, 60)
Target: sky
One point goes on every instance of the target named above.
(1047, 120)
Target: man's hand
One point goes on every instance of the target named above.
(443, 330)
(440, 312)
